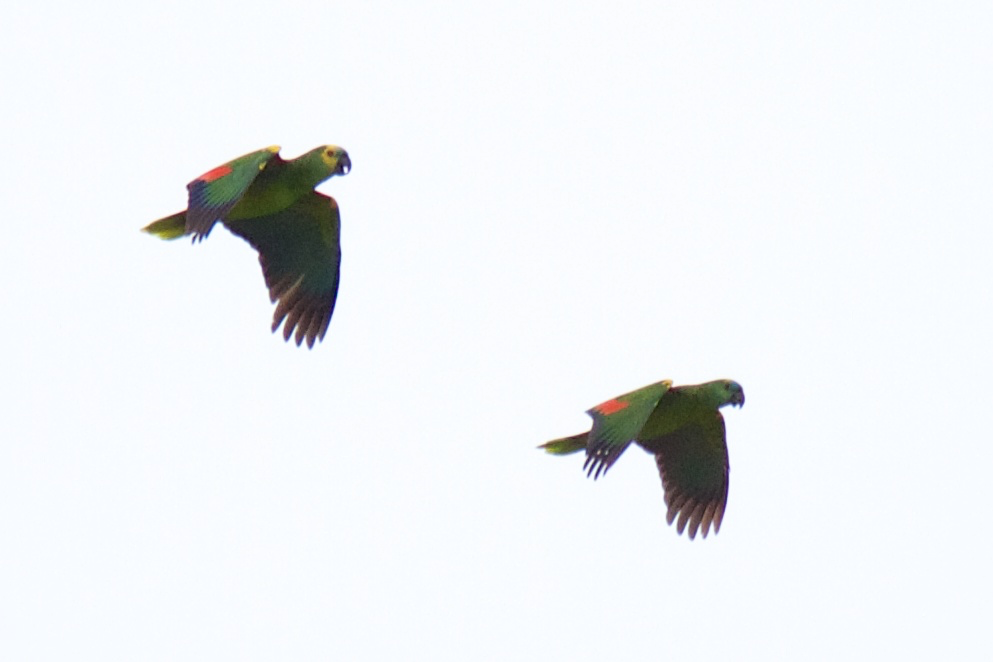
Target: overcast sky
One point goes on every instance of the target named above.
(550, 204)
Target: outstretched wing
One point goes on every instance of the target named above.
(300, 253)
(617, 422)
(214, 193)
(693, 463)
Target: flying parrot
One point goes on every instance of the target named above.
(272, 204)
(683, 428)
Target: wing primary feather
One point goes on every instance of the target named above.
(696, 517)
(325, 321)
(287, 301)
(718, 517)
(708, 517)
(303, 324)
(684, 516)
(290, 323)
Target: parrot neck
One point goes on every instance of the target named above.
(309, 170)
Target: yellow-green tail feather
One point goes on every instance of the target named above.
(170, 227)
(566, 445)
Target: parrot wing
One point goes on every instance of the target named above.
(213, 194)
(693, 463)
(617, 422)
(300, 253)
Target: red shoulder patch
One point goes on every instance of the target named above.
(611, 407)
(216, 173)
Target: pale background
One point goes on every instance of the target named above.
(551, 204)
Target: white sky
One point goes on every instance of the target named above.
(550, 205)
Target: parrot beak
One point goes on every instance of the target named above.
(738, 398)
(344, 164)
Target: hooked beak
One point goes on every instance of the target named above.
(738, 398)
(344, 164)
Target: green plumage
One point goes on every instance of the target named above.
(170, 227)
(683, 428)
(271, 203)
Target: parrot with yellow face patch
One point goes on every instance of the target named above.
(272, 204)
(683, 428)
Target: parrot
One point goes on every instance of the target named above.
(683, 428)
(272, 204)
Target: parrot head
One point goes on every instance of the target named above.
(716, 394)
(336, 159)
(734, 393)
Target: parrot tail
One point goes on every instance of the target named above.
(567, 445)
(170, 227)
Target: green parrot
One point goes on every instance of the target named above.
(683, 428)
(272, 204)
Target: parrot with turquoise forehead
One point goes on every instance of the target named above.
(271, 203)
(683, 428)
